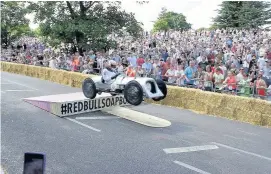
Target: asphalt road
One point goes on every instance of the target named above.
(121, 146)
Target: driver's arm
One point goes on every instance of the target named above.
(106, 75)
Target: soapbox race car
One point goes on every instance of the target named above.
(134, 89)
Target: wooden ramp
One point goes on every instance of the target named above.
(75, 103)
(138, 117)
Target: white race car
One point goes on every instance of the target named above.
(134, 89)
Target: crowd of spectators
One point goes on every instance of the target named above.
(230, 61)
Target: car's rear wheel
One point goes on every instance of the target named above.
(163, 88)
(133, 93)
(89, 88)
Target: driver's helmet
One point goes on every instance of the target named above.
(112, 64)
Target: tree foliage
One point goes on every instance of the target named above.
(170, 20)
(82, 22)
(243, 14)
(13, 21)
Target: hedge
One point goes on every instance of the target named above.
(249, 110)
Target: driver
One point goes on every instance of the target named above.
(110, 72)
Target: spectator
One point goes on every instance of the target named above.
(179, 73)
(218, 79)
(140, 61)
(261, 87)
(230, 82)
(130, 71)
(240, 75)
(170, 74)
(147, 67)
(190, 73)
(132, 60)
(53, 63)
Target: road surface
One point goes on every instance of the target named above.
(192, 144)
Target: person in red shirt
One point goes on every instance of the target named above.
(140, 61)
(231, 82)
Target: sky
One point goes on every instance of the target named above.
(198, 12)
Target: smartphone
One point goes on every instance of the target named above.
(34, 163)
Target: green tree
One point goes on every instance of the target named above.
(13, 21)
(82, 22)
(243, 14)
(170, 20)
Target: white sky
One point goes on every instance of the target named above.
(198, 12)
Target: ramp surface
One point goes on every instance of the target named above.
(75, 103)
(77, 96)
(138, 117)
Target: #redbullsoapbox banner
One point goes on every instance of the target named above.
(88, 105)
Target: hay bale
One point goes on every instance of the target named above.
(266, 120)
(221, 112)
(237, 102)
(210, 98)
(261, 106)
(249, 116)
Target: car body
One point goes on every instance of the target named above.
(140, 87)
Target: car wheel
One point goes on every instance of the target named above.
(133, 93)
(163, 88)
(89, 88)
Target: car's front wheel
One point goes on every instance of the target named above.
(163, 88)
(89, 88)
(133, 93)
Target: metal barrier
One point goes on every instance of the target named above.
(245, 90)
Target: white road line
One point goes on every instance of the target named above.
(82, 124)
(21, 84)
(191, 167)
(232, 137)
(6, 84)
(96, 118)
(244, 139)
(248, 132)
(190, 149)
(18, 90)
(189, 142)
(239, 150)
(202, 132)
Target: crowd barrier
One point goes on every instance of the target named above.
(239, 108)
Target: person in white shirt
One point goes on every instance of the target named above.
(261, 62)
(109, 73)
(219, 78)
(171, 74)
(240, 75)
(179, 73)
(199, 59)
(53, 63)
(120, 68)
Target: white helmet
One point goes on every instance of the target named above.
(112, 63)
